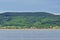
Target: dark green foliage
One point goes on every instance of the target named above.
(29, 19)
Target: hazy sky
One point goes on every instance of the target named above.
(30, 5)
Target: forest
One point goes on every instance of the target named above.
(29, 20)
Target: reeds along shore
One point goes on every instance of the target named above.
(16, 27)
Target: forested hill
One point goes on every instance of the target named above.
(29, 20)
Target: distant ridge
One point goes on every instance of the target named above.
(27, 13)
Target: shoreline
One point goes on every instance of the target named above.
(29, 29)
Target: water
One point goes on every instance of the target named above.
(29, 34)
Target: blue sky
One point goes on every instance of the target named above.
(30, 5)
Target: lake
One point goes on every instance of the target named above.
(29, 34)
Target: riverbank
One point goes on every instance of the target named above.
(29, 29)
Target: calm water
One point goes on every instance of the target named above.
(29, 34)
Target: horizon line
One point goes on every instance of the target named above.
(31, 11)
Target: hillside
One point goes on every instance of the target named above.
(29, 20)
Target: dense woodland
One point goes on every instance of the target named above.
(34, 20)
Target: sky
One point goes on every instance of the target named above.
(52, 6)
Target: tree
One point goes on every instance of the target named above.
(37, 24)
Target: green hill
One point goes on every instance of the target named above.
(29, 20)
